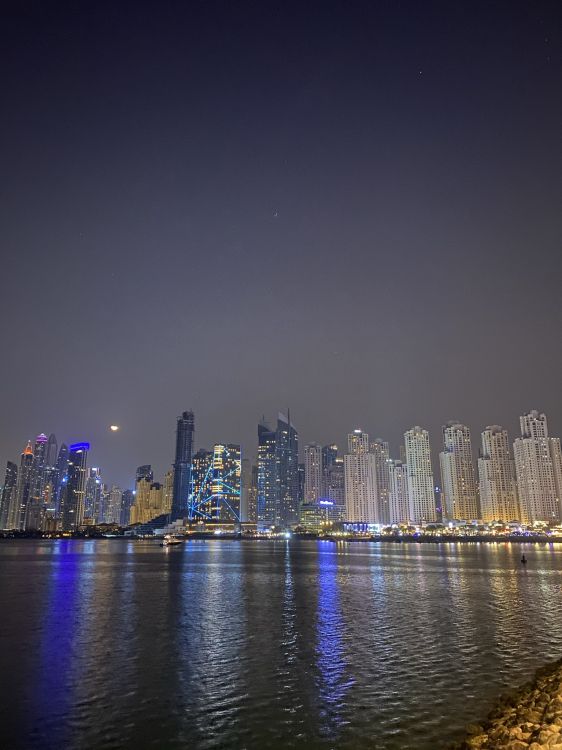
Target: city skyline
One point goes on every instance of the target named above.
(125, 476)
(55, 489)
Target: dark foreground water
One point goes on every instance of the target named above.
(228, 644)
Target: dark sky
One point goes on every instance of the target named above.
(352, 209)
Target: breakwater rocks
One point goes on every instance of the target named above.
(528, 719)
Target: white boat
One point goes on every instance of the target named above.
(170, 541)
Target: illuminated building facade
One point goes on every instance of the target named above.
(381, 452)
(535, 470)
(457, 473)
(360, 480)
(216, 484)
(420, 476)
(278, 475)
(74, 490)
(398, 493)
(312, 473)
(496, 471)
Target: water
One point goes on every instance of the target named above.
(229, 644)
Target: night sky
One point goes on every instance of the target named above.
(350, 209)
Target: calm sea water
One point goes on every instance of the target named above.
(229, 644)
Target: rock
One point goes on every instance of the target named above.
(476, 741)
(474, 729)
(517, 745)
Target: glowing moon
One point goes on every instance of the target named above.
(114, 427)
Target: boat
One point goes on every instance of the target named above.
(170, 541)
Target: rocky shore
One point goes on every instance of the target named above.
(528, 719)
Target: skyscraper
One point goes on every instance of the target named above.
(224, 503)
(312, 473)
(252, 503)
(18, 509)
(127, 500)
(398, 492)
(113, 514)
(287, 472)
(59, 477)
(51, 452)
(360, 480)
(8, 493)
(334, 489)
(73, 495)
(35, 510)
(535, 470)
(420, 476)
(381, 452)
(278, 475)
(92, 496)
(182, 466)
(201, 481)
(457, 473)
(496, 471)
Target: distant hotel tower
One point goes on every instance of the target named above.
(457, 473)
(538, 465)
(496, 471)
(360, 480)
(182, 466)
(75, 488)
(421, 494)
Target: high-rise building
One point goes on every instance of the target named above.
(360, 480)
(496, 472)
(59, 477)
(201, 481)
(224, 503)
(302, 482)
(278, 475)
(113, 514)
(127, 500)
(73, 494)
(457, 473)
(245, 488)
(35, 510)
(252, 494)
(556, 456)
(268, 492)
(182, 466)
(149, 501)
(398, 492)
(535, 471)
(18, 509)
(92, 496)
(329, 455)
(287, 471)
(51, 451)
(381, 452)
(168, 491)
(333, 497)
(420, 476)
(9, 496)
(312, 473)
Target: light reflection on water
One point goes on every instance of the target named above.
(122, 644)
